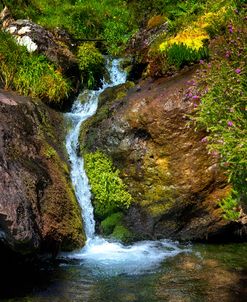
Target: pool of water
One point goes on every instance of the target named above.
(198, 273)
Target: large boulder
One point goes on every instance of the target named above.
(38, 208)
(175, 182)
(139, 46)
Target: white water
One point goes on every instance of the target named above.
(99, 254)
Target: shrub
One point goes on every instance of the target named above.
(91, 63)
(187, 47)
(223, 108)
(109, 192)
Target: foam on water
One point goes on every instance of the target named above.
(101, 255)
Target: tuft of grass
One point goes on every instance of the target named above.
(30, 74)
(91, 63)
(180, 55)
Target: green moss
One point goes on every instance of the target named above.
(108, 224)
(109, 192)
(50, 152)
(122, 233)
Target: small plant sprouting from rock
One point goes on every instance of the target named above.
(109, 192)
(229, 206)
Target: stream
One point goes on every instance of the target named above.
(147, 271)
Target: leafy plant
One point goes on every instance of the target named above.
(109, 192)
(230, 207)
(180, 55)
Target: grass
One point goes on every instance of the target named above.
(30, 74)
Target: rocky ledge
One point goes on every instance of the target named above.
(38, 209)
(176, 184)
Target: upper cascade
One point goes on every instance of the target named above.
(81, 111)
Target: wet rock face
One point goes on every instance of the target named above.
(55, 46)
(139, 47)
(38, 209)
(175, 182)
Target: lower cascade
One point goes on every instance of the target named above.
(103, 255)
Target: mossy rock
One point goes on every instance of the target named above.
(107, 99)
(108, 224)
(112, 94)
(121, 233)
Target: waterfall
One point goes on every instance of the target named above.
(101, 254)
(80, 112)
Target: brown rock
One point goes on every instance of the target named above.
(38, 209)
(176, 184)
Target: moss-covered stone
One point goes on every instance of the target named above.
(108, 224)
(107, 101)
(122, 233)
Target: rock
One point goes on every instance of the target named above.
(55, 46)
(139, 47)
(175, 183)
(38, 209)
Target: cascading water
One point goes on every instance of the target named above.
(99, 254)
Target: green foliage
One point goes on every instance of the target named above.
(109, 20)
(109, 191)
(223, 108)
(108, 224)
(122, 233)
(91, 63)
(29, 74)
(50, 152)
(180, 55)
(230, 207)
